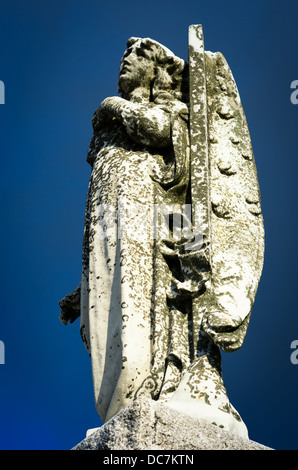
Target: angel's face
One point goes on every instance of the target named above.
(137, 69)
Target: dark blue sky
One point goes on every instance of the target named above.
(58, 61)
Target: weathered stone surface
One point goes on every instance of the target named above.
(164, 288)
(150, 425)
(223, 176)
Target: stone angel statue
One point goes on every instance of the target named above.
(161, 294)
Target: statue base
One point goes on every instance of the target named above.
(151, 425)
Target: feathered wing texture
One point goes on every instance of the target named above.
(221, 313)
(236, 217)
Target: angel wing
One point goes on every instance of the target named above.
(236, 221)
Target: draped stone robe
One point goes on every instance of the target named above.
(125, 278)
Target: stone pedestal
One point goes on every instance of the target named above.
(151, 425)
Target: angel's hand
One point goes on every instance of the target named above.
(103, 114)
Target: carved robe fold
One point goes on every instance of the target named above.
(120, 282)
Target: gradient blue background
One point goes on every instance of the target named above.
(59, 60)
